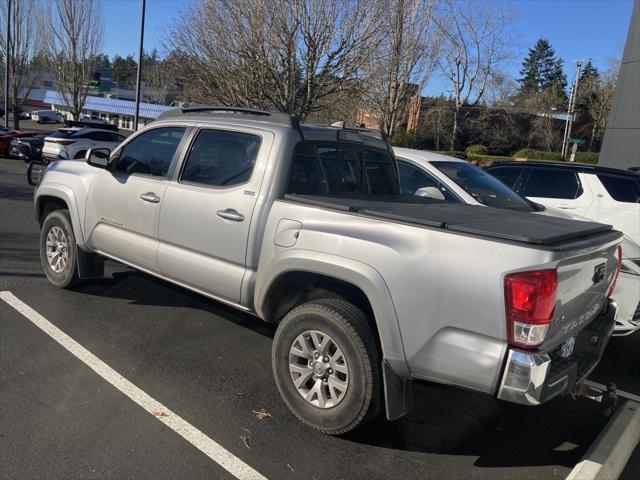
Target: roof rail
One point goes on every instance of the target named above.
(264, 115)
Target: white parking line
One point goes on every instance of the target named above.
(191, 434)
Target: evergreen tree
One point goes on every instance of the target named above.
(542, 70)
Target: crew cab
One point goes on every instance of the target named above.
(306, 228)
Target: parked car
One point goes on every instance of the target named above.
(27, 148)
(47, 116)
(305, 227)
(92, 119)
(73, 142)
(606, 195)
(7, 135)
(427, 173)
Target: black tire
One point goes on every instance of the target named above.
(348, 327)
(80, 154)
(68, 277)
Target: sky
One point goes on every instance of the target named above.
(577, 29)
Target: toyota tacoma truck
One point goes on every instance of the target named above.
(306, 228)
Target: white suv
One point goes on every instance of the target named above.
(73, 142)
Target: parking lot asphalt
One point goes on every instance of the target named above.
(211, 365)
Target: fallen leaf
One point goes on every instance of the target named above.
(262, 414)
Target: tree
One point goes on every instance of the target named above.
(72, 38)
(595, 93)
(474, 43)
(400, 67)
(296, 56)
(541, 70)
(157, 77)
(23, 49)
(124, 70)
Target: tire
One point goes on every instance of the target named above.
(80, 154)
(63, 276)
(347, 328)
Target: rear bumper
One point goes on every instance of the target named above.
(532, 378)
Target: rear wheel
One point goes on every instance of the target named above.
(326, 365)
(58, 250)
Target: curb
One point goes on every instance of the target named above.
(607, 457)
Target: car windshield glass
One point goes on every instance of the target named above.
(483, 187)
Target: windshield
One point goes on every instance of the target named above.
(483, 187)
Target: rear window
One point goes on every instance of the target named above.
(553, 183)
(621, 189)
(62, 133)
(339, 170)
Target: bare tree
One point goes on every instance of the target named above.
(23, 50)
(400, 67)
(295, 56)
(72, 40)
(474, 42)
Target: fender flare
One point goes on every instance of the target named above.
(360, 275)
(67, 195)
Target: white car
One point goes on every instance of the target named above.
(606, 195)
(73, 142)
(47, 116)
(447, 178)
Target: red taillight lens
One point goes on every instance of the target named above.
(61, 142)
(530, 299)
(618, 268)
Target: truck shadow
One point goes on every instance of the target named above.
(444, 420)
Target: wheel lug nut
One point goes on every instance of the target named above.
(324, 379)
(316, 355)
(325, 359)
(330, 371)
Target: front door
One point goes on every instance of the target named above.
(206, 215)
(123, 205)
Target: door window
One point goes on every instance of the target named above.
(507, 175)
(150, 153)
(553, 183)
(412, 179)
(621, 189)
(221, 158)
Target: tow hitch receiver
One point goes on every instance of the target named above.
(608, 398)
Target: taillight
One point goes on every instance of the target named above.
(61, 142)
(618, 268)
(530, 299)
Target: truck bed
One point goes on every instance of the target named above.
(501, 224)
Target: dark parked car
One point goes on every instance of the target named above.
(27, 148)
(7, 135)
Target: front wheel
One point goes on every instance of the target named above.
(58, 250)
(326, 365)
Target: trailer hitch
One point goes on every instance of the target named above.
(607, 396)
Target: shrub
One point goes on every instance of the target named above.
(587, 157)
(477, 149)
(454, 153)
(531, 154)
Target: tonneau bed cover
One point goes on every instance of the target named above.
(476, 220)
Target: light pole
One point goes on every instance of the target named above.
(139, 75)
(572, 104)
(6, 67)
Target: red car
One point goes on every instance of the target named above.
(8, 134)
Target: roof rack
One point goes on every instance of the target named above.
(372, 131)
(264, 115)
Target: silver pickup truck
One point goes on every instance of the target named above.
(305, 227)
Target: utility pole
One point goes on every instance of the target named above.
(572, 105)
(139, 75)
(6, 67)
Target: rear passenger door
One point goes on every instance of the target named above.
(206, 214)
(558, 188)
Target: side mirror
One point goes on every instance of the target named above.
(98, 157)
(430, 192)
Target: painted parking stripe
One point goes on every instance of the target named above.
(191, 434)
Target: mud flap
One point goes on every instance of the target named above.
(397, 393)
(90, 265)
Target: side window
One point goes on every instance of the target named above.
(100, 136)
(150, 153)
(117, 138)
(621, 189)
(306, 175)
(342, 169)
(507, 175)
(221, 158)
(412, 179)
(552, 183)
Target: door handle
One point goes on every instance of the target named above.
(150, 197)
(567, 207)
(231, 214)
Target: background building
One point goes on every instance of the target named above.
(621, 145)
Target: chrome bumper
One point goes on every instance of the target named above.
(531, 378)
